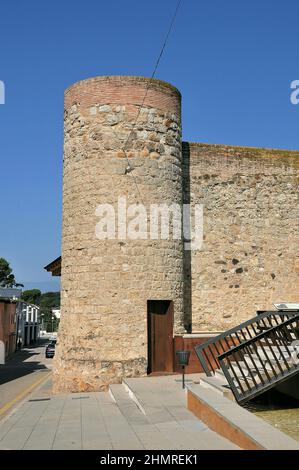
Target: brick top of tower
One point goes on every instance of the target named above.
(124, 90)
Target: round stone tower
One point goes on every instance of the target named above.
(118, 289)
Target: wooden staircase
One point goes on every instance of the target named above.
(255, 356)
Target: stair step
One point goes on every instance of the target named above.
(165, 408)
(218, 373)
(119, 394)
(254, 362)
(126, 405)
(274, 355)
(248, 380)
(272, 361)
(257, 373)
(218, 385)
(256, 377)
(241, 366)
(266, 343)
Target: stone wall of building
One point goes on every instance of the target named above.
(249, 258)
(106, 283)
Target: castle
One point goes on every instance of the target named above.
(128, 304)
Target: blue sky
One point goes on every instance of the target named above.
(232, 60)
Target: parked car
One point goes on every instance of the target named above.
(50, 349)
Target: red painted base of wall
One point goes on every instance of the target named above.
(188, 344)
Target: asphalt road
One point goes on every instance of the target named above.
(22, 373)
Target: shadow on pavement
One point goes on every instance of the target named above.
(17, 365)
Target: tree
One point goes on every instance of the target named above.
(7, 278)
(32, 296)
(49, 301)
(46, 302)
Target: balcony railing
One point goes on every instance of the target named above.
(255, 355)
(258, 364)
(209, 351)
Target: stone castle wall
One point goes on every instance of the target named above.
(106, 283)
(249, 258)
(249, 255)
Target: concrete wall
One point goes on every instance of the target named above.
(249, 257)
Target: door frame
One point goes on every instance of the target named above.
(170, 311)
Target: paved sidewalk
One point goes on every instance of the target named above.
(22, 372)
(106, 420)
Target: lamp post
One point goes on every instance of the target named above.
(42, 317)
(183, 360)
(52, 324)
(18, 313)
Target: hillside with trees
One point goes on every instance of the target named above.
(46, 301)
(7, 278)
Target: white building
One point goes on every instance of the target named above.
(27, 323)
(56, 312)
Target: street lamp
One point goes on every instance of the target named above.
(52, 324)
(42, 316)
(183, 360)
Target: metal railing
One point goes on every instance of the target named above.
(209, 351)
(256, 365)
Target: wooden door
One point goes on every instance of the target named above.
(160, 335)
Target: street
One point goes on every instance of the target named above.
(22, 373)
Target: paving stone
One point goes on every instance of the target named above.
(126, 405)
(95, 421)
(152, 438)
